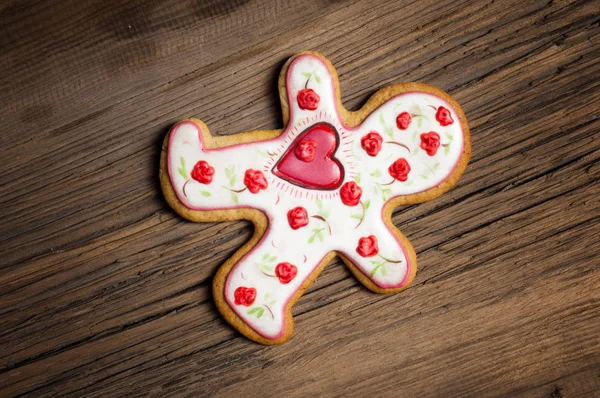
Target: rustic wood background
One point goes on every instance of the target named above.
(105, 291)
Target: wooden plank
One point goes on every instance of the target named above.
(105, 291)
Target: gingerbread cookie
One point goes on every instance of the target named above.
(326, 185)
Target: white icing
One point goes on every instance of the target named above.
(283, 244)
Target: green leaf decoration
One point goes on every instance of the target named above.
(306, 75)
(318, 79)
(385, 193)
(414, 136)
(374, 270)
(267, 267)
(318, 234)
(415, 151)
(261, 153)
(267, 295)
(447, 150)
(357, 216)
(418, 108)
(319, 204)
(376, 173)
(205, 193)
(234, 197)
(326, 213)
(423, 176)
(181, 169)
(383, 270)
(357, 178)
(449, 136)
(272, 302)
(367, 203)
(435, 166)
(381, 119)
(420, 122)
(254, 310)
(260, 311)
(430, 169)
(265, 257)
(272, 258)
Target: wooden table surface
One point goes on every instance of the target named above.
(105, 291)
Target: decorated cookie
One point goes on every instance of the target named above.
(324, 186)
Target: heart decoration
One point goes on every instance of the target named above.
(309, 161)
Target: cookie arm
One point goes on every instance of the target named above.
(206, 177)
(415, 145)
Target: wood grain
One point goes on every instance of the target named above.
(106, 292)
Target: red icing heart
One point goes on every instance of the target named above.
(324, 172)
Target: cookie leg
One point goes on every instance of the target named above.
(383, 260)
(260, 287)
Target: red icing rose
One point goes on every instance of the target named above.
(306, 150)
(203, 172)
(244, 296)
(371, 143)
(297, 217)
(286, 272)
(367, 247)
(399, 169)
(403, 120)
(350, 193)
(255, 180)
(308, 99)
(430, 142)
(443, 116)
